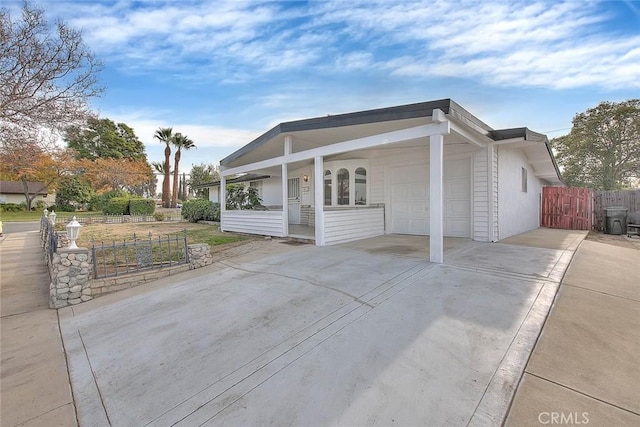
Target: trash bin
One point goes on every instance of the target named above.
(616, 220)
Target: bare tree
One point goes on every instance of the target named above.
(47, 76)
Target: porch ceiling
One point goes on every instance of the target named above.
(309, 139)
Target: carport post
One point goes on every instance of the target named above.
(318, 197)
(223, 199)
(436, 235)
(285, 187)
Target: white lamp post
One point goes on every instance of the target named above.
(73, 231)
(52, 218)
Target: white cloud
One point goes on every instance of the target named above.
(548, 44)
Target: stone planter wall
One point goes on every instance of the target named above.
(70, 271)
(200, 255)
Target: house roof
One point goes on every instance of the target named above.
(409, 111)
(419, 110)
(242, 178)
(16, 187)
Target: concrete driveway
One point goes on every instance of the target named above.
(301, 335)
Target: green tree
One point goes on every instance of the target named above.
(182, 194)
(72, 192)
(102, 138)
(602, 151)
(165, 136)
(241, 197)
(181, 142)
(202, 174)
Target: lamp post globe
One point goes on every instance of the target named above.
(73, 231)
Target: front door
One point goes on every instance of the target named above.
(294, 200)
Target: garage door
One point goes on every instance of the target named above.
(457, 198)
(409, 188)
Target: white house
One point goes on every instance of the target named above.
(13, 192)
(430, 168)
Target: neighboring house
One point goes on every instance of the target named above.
(13, 192)
(429, 168)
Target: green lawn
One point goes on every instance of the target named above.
(36, 215)
(20, 216)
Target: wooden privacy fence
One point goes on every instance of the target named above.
(629, 199)
(568, 208)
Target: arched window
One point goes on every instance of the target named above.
(327, 188)
(361, 186)
(342, 183)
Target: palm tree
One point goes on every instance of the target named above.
(165, 135)
(181, 142)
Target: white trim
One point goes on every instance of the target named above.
(490, 200)
(436, 210)
(222, 199)
(346, 146)
(350, 165)
(318, 175)
(285, 199)
(482, 141)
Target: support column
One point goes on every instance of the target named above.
(436, 209)
(223, 199)
(285, 187)
(490, 199)
(285, 200)
(318, 197)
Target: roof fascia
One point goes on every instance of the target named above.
(409, 111)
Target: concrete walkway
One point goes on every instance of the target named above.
(341, 335)
(585, 369)
(34, 383)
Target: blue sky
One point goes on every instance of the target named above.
(223, 72)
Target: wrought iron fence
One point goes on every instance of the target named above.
(118, 258)
(118, 219)
(50, 238)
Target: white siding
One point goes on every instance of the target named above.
(480, 196)
(266, 223)
(496, 196)
(482, 185)
(272, 191)
(353, 224)
(517, 211)
(214, 194)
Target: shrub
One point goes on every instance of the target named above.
(99, 202)
(200, 210)
(159, 216)
(66, 207)
(142, 206)
(12, 207)
(117, 206)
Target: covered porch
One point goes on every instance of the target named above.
(310, 164)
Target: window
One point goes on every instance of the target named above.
(342, 183)
(327, 188)
(524, 180)
(361, 186)
(345, 183)
(293, 187)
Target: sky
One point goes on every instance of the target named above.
(224, 72)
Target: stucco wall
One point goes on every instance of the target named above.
(517, 211)
(19, 198)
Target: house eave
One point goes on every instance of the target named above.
(409, 111)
